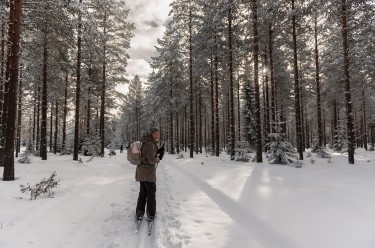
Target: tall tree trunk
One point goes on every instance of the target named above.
(205, 134)
(267, 101)
(178, 133)
(63, 143)
(171, 120)
(296, 88)
(200, 119)
(191, 116)
(256, 82)
(2, 88)
(78, 88)
(6, 84)
(335, 121)
(14, 38)
(232, 129)
(238, 108)
(317, 80)
(197, 113)
(185, 138)
(217, 125)
(364, 120)
(212, 110)
(227, 126)
(324, 132)
(37, 146)
(34, 116)
(51, 128)
(56, 127)
(302, 120)
(272, 79)
(19, 117)
(2, 92)
(43, 128)
(348, 96)
(264, 133)
(102, 98)
(88, 123)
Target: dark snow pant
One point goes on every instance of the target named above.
(147, 192)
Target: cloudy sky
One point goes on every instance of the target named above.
(150, 18)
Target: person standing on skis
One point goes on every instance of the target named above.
(146, 173)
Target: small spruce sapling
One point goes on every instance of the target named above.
(280, 151)
(242, 151)
(25, 156)
(321, 152)
(312, 160)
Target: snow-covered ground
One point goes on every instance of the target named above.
(201, 202)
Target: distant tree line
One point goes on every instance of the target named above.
(240, 70)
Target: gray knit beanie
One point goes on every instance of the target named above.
(153, 130)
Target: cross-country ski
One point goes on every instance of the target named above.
(150, 225)
(139, 220)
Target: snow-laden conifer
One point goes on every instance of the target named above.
(280, 151)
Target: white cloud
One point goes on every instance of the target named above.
(150, 18)
(138, 67)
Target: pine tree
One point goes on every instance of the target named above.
(249, 114)
(133, 118)
(339, 138)
(12, 86)
(280, 151)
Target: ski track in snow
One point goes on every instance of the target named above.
(118, 229)
(169, 225)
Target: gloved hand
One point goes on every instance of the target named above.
(161, 151)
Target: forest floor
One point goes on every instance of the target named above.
(201, 202)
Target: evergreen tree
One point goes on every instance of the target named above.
(11, 86)
(280, 151)
(249, 114)
(339, 138)
(132, 110)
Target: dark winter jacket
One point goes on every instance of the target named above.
(146, 171)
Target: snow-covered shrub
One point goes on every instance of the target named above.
(298, 164)
(280, 151)
(66, 151)
(111, 152)
(44, 187)
(91, 146)
(209, 150)
(242, 151)
(322, 153)
(25, 157)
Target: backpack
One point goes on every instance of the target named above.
(134, 153)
